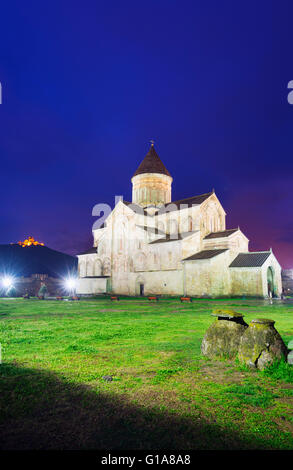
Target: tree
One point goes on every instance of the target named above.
(11, 292)
(43, 290)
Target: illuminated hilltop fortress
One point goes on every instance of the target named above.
(30, 241)
(155, 246)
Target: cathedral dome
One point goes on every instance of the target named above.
(151, 183)
(152, 164)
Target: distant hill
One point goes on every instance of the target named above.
(24, 261)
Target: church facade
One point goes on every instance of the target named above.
(156, 246)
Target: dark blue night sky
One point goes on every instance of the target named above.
(87, 84)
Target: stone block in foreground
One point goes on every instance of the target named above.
(261, 344)
(222, 338)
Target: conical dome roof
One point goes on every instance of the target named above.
(152, 164)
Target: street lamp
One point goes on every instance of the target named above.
(7, 282)
(8, 286)
(70, 285)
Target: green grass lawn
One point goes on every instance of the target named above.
(164, 394)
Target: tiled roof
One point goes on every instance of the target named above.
(222, 234)
(152, 164)
(250, 260)
(89, 251)
(205, 254)
(189, 202)
(94, 277)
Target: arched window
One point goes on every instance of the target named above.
(90, 269)
(189, 223)
(98, 268)
(82, 269)
(168, 226)
(106, 270)
(215, 224)
(173, 226)
(270, 282)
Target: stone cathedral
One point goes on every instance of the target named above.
(154, 245)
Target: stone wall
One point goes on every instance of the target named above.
(246, 281)
(212, 217)
(191, 245)
(237, 242)
(93, 285)
(156, 282)
(208, 277)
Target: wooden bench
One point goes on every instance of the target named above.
(114, 297)
(59, 297)
(185, 299)
(153, 298)
(74, 297)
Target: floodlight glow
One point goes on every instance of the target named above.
(7, 281)
(70, 283)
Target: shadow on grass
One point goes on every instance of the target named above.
(40, 410)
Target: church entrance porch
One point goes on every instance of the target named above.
(141, 290)
(271, 283)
